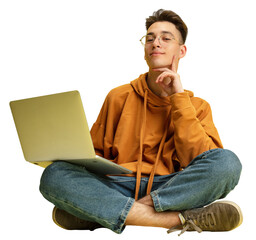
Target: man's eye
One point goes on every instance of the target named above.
(166, 39)
(150, 40)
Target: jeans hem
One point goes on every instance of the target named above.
(121, 222)
(156, 202)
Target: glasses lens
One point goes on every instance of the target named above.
(166, 38)
(149, 39)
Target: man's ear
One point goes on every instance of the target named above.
(183, 51)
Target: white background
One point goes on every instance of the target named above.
(53, 46)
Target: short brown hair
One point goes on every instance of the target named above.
(169, 16)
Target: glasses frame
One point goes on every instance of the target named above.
(159, 40)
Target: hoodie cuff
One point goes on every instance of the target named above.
(180, 101)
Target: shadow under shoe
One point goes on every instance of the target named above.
(69, 222)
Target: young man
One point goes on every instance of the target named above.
(166, 136)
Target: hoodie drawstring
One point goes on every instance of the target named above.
(139, 165)
(152, 174)
(142, 135)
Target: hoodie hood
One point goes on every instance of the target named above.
(140, 86)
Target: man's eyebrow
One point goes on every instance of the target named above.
(152, 33)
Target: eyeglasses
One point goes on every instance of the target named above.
(164, 39)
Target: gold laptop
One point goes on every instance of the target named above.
(53, 128)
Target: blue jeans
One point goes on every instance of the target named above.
(107, 200)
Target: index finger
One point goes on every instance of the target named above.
(173, 65)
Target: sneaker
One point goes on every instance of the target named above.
(69, 222)
(216, 217)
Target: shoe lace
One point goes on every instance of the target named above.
(203, 220)
(188, 225)
(206, 220)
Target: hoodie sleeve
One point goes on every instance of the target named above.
(194, 130)
(103, 130)
(98, 130)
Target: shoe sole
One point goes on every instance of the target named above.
(54, 218)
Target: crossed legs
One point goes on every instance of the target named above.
(210, 176)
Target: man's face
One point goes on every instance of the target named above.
(159, 53)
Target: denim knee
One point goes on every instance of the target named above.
(227, 168)
(50, 178)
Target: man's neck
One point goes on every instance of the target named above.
(151, 81)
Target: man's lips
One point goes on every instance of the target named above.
(156, 53)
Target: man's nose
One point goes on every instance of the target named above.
(157, 42)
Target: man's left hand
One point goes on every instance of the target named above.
(169, 80)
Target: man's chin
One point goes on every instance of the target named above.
(160, 66)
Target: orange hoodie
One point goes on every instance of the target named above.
(153, 135)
